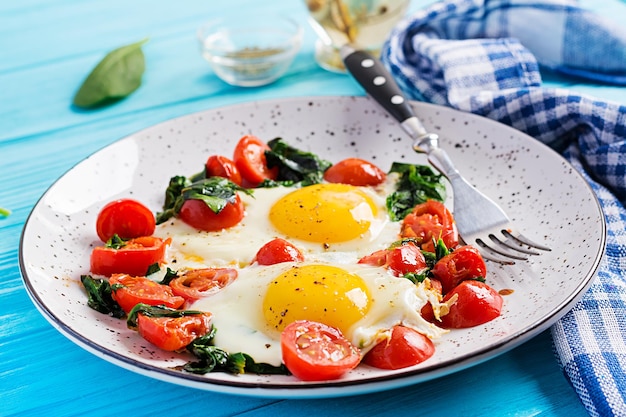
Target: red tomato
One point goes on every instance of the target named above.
(133, 258)
(250, 159)
(129, 291)
(478, 303)
(406, 347)
(355, 171)
(315, 352)
(277, 251)
(378, 258)
(220, 166)
(197, 214)
(199, 283)
(126, 218)
(400, 260)
(428, 221)
(406, 259)
(173, 333)
(463, 263)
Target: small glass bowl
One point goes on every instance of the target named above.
(251, 51)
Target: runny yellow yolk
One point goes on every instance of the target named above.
(324, 213)
(321, 293)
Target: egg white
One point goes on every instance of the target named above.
(238, 245)
(238, 313)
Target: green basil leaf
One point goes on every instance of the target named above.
(116, 76)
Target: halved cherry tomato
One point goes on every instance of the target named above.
(478, 303)
(249, 157)
(428, 221)
(198, 283)
(400, 260)
(221, 166)
(128, 291)
(173, 333)
(405, 347)
(277, 251)
(197, 214)
(315, 352)
(463, 263)
(126, 218)
(355, 171)
(133, 258)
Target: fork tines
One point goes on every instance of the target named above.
(511, 246)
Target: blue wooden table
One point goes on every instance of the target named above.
(46, 49)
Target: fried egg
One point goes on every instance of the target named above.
(364, 302)
(327, 222)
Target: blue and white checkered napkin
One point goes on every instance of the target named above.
(484, 56)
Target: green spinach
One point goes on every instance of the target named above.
(99, 296)
(417, 184)
(294, 165)
(213, 359)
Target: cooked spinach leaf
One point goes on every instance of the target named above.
(417, 184)
(115, 242)
(170, 274)
(294, 165)
(99, 296)
(213, 359)
(116, 76)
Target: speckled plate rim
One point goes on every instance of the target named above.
(364, 385)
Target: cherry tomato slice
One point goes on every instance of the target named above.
(249, 157)
(478, 303)
(315, 352)
(355, 171)
(405, 347)
(406, 259)
(378, 258)
(428, 221)
(197, 214)
(198, 283)
(134, 258)
(277, 251)
(463, 263)
(401, 260)
(128, 291)
(126, 218)
(221, 166)
(173, 333)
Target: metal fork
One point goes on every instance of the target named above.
(479, 220)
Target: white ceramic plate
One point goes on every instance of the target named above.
(540, 191)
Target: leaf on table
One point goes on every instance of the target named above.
(115, 77)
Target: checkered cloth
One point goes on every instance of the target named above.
(484, 57)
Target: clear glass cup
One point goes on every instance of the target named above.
(364, 24)
(250, 50)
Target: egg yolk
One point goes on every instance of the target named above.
(324, 213)
(321, 293)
